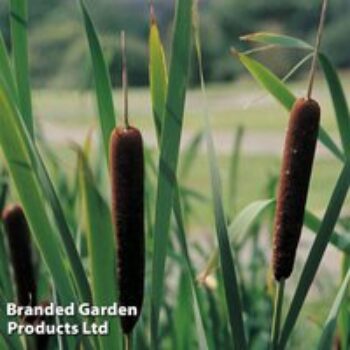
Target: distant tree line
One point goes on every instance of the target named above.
(59, 53)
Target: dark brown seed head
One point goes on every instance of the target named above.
(18, 236)
(298, 156)
(127, 176)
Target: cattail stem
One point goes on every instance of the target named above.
(125, 79)
(317, 48)
(277, 313)
(128, 341)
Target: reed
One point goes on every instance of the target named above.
(127, 177)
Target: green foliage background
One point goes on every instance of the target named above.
(57, 46)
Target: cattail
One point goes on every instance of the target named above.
(18, 235)
(299, 151)
(127, 176)
(127, 172)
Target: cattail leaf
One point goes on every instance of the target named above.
(158, 75)
(13, 341)
(278, 89)
(33, 184)
(27, 185)
(169, 151)
(277, 40)
(231, 284)
(159, 84)
(190, 154)
(103, 85)
(6, 285)
(239, 228)
(339, 101)
(183, 314)
(316, 253)
(6, 70)
(233, 170)
(26, 170)
(199, 309)
(333, 81)
(49, 192)
(338, 240)
(326, 341)
(19, 41)
(101, 247)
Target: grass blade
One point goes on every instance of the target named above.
(158, 75)
(231, 286)
(338, 240)
(169, 152)
(40, 174)
(19, 39)
(159, 84)
(333, 81)
(6, 285)
(103, 85)
(277, 88)
(239, 228)
(183, 315)
(329, 327)
(285, 41)
(233, 172)
(12, 341)
(101, 247)
(21, 169)
(339, 102)
(190, 155)
(316, 252)
(6, 69)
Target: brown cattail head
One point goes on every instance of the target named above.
(127, 176)
(18, 236)
(298, 156)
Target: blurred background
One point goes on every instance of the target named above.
(58, 48)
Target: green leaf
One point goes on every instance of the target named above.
(339, 101)
(19, 40)
(159, 85)
(102, 251)
(326, 341)
(13, 341)
(5, 275)
(6, 70)
(277, 40)
(231, 285)
(190, 154)
(276, 88)
(199, 309)
(169, 152)
(158, 76)
(103, 85)
(239, 228)
(268, 81)
(233, 172)
(28, 188)
(316, 253)
(183, 314)
(338, 240)
(333, 81)
(33, 186)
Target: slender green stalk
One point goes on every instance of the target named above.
(317, 47)
(19, 27)
(277, 313)
(128, 341)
